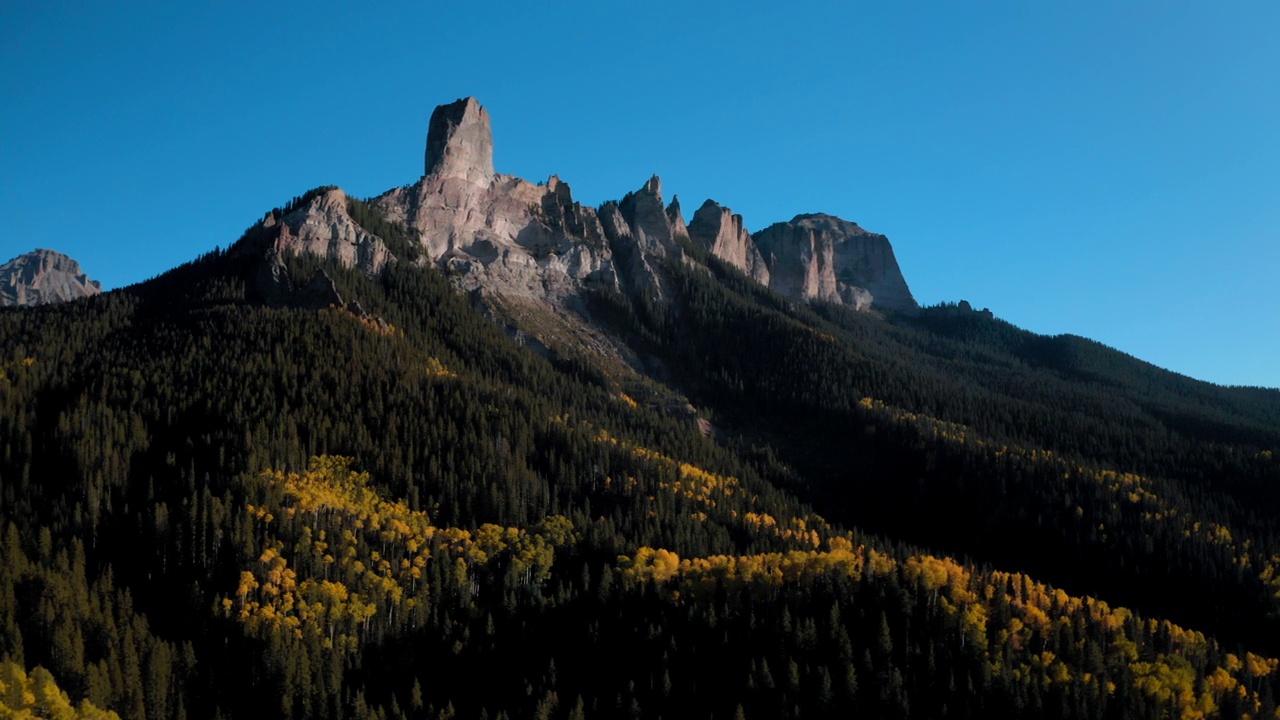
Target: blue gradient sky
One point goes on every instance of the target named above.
(1108, 169)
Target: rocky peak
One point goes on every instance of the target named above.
(824, 257)
(44, 276)
(676, 218)
(647, 217)
(559, 190)
(716, 229)
(323, 227)
(460, 142)
(496, 233)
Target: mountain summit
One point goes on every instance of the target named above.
(532, 245)
(460, 143)
(44, 276)
(821, 256)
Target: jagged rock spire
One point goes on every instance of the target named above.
(719, 231)
(460, 142)
(676, 217)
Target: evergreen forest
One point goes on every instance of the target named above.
(215, 505)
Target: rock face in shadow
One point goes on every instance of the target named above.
(823, 257)
(717, 230)
(644, 212)
(640, 232)
(676, 218)
(41, 277)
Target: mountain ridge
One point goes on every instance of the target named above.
(514, 237)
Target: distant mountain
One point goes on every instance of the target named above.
(41, 277)
(604, 463)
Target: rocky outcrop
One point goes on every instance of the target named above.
(513, 236)
(717, 230)
(497, 232)
(319, 293)
(676, 218)
(42, 277)
(323, 227)
(501, 235)
(636, 274)
(276, 288)
(644, 212)
(823, 257)
(639, 230)
(460, 143)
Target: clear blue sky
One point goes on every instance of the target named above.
(1108, 169)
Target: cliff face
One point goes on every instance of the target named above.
(511, 236)
(42, 277)
(717, 230)
(460, 142)
(823, 257)
(496, 232)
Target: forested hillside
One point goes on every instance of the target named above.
(216, 503)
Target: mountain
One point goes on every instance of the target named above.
(471, 449)
(717, 230)
(44, 276)
(532, 241)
